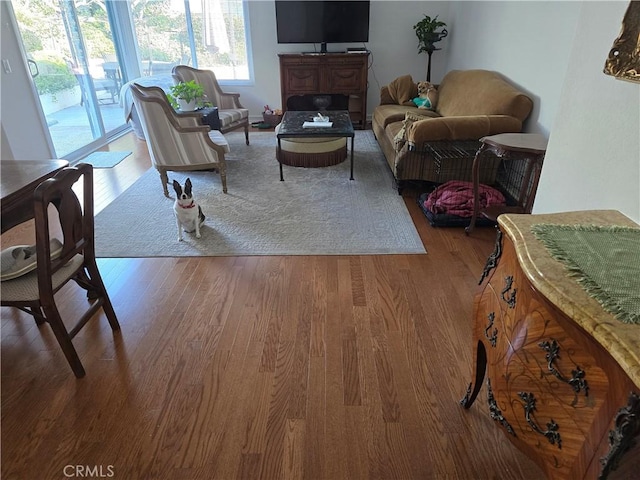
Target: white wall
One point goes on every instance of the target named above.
(555, 51)
(593, 159)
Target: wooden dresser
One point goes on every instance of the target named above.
(327, 74)
(562, 375)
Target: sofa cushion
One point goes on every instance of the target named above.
(480, 92)
(460, 128)
(383, 115)
(227, 117)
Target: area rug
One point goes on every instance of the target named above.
(314, 211)
(105, 159)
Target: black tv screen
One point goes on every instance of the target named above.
(315, 21)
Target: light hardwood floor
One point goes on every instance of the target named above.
(300, 367)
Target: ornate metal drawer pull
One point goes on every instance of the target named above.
(577, 380)
(551, 433)
(511, 297)
(493, 339)
(492, 261)
(621, 439)
(495, 412)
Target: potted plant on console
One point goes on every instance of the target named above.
(186, 95)
(428, 35)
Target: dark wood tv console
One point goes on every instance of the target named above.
(313, 74)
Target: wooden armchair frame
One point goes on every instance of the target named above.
(177, 142)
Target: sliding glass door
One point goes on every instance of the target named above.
(81, 52)
(72, 57)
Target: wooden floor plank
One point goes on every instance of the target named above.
(306, 367)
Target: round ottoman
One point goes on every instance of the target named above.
(311, 151)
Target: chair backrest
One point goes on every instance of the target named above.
(75, 217)
(171, 144)
(153, 107)
(206, 78)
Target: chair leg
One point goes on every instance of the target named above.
(36, 311)
(96, 280)
(92, 282)
(164, 178)
(246, 133)
(59, 330)
(223, 179)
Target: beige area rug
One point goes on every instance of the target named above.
(315, 211)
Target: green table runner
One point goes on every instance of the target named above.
(604, 260)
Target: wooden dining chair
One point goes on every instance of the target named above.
(34, 292)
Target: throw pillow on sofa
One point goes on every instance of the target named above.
(400, 91)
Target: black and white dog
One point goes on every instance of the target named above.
(188, 213)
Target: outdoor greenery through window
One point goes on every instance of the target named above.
(208, 34)
(81, 53)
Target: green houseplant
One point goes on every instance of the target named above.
(428, 33)
(186, 95)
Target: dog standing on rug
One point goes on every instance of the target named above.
(189, 214)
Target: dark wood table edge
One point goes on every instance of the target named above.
(17, 206)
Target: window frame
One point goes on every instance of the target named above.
(127, 45)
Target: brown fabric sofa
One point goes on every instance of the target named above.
(439, 145)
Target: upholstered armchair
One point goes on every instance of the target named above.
(232, 114)
(177, 142)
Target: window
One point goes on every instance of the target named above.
(208, 34)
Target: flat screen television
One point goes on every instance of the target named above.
(316, 21)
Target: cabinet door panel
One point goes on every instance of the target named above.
(303, 79)
(344, 79)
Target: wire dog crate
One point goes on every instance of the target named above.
(514, 173)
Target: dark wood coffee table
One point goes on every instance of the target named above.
(292, 127)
